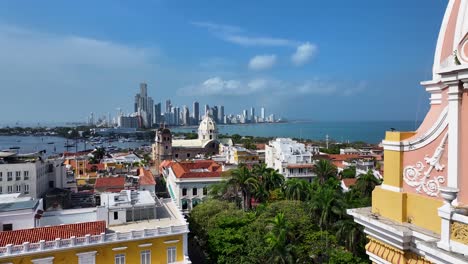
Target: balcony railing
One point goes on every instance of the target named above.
(44, 246)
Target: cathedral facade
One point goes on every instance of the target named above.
(206, 145)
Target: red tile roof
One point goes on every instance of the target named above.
(342, 157)
(164, 164)
(110, 183)
(349, 182)
(196, 169)
(146, 177)
(34, 235)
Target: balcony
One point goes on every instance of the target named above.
(89, 240)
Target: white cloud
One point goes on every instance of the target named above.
(219, 86)
(258, 41)
(304, 53)
(237, 35)
(67, 72)
(262, 62)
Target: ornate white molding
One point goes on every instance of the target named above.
(416, 176)
(430, 135)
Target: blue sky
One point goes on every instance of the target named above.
(319, 60)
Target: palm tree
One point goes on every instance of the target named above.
(278, 239)
(324, 169)
(366, 183)
(246, 182)
(269, 180)
(296, 189)
(349, 234)
(325, 206)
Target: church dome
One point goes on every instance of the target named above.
(207, 129)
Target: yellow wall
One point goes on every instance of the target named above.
(389, 204)
(398, 136)
(422, 211)
(393, 166)
(105, 254)
(412, 208)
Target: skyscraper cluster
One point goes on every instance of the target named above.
(147, 114)
(144, 106)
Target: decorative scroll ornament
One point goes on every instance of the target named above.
(416, 176)
(459, 232)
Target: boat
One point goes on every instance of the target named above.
(15, 147)
(50, 143)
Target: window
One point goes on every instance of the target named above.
(184, 192)
(26, 175)
(87, 257)
(18, 176)
(1, 176)
(1, 189)
(184, 204)
(194, 191)
(7, 227)
(26, 189)
(205, 191)
(188, 155)
(116, 215)
(10, 189)
(145, 257)
(18, 188)
(171, 254)
(120, 259)
(9, 176)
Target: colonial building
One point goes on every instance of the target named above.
(188, 181)
(207, 143)
(29, 174)
(290, 158)
(127, 227)
(420, 212)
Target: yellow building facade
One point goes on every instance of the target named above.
(157, 250)
(420, 212)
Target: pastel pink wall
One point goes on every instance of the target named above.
(463, 176)
(410, 158)
(447, 46)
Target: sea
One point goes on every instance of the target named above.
(346, 131)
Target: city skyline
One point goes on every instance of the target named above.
(295, 61)
(147, 114)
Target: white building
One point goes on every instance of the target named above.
(188, 181)
(19, 212)
(29, 174)
(290, 158)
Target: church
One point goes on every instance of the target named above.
(206, 145)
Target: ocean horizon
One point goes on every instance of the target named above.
(340, 131)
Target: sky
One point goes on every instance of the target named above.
(316, 60)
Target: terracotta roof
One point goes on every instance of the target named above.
(349, 182)
(114, 183)
(338, 163)
(298, 166)
(146, 177)
(164, 164)
(196, 169)
(34, 235)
